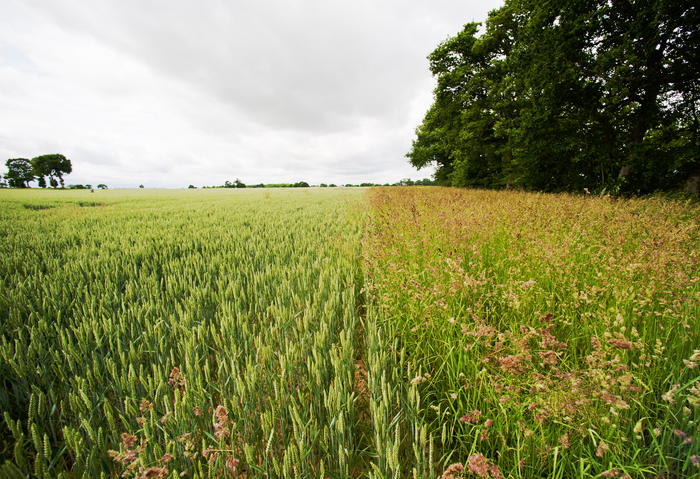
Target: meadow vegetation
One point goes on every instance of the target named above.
(557, 335)
(326, 333)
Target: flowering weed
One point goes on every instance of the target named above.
(570, 322)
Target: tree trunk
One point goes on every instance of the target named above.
(648, 96)
(692, 185)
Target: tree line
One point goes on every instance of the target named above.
(303, 184)
(567, 95)
(239, 184)
(21, 171)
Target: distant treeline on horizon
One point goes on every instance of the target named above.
(24, 183)
(304, 184)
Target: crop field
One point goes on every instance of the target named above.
(332, 333)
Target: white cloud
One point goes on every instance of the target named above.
(179, 92)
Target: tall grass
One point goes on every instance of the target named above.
(559, 333)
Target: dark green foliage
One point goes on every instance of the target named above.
(301, 184)
(102, 186)
(567, 95)
(192, 187)
(76, 187)
(19, 172)
(236, 184)
(54, 166)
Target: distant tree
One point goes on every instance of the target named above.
(3, 184)
(76, 187)
(88, 186)
(102, 186)
(323, 185)
(332, 186)
(19, 172)
(192, 187)
(238, 184)
(228, 184)
(140, 186)
(42, 182)
(301, 184)
(54, 166)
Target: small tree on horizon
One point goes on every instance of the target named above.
(19, 172)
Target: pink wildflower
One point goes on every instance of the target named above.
(479, 465)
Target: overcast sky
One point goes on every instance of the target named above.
(172, 93)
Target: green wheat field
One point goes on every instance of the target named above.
(332, 333)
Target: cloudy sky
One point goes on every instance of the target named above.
(179, 92)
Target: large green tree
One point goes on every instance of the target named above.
(568, 94)
(19, 172)
(54, 166)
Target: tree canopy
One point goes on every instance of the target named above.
(565, 95)
(236, 184)
(54, 166)
(19, 172)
